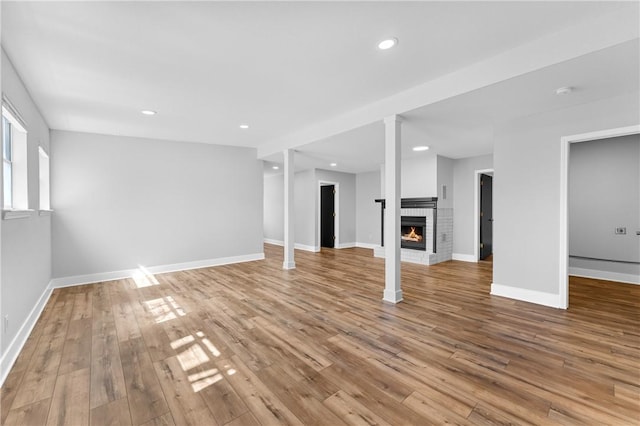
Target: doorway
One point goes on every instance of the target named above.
(486, 216)
(483, 215)
(327, 215)
(565, 142)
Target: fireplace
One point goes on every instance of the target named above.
(413, 232)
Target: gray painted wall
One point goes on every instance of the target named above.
(604, 183)
(464, 215)
(367, 210)
(26, 243)
(122, 202)
(445, 178)
(305, 208)
(306, 193)
(347, 203)
(274, 207)
(527, 188)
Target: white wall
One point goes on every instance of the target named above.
(26, 243)
(526, 193)
(367, 210)
(347, 204)
(123, 202)
(604, 183)
(274, 207)
(419, 176)
(464, 214)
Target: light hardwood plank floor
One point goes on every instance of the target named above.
(252, 344)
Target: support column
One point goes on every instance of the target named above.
(392, 287)
(289, 219)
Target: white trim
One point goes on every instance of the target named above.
(476, 212)
(526, 295)
(367, 245)
(305, 247)
(563, 269)
(336, 209)
(391, 296)
(15, 347)
(604, 275)
(298, 246)
(345, 245)
(45, 212)
(464, 257)
(16, 214)
(128, 273)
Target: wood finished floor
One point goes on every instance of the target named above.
(251, 344)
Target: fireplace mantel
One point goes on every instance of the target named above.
(413, 203)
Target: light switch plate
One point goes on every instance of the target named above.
(621, 230)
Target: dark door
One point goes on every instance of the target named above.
(327, 216)
(486, 216)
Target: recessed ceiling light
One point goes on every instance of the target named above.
(244, 126)
(333, 164)
(275, 167)
(564, 90)
(420, 148)
(148, 112)
(388, 43)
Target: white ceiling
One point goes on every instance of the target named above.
(462, 126)
(207, 67)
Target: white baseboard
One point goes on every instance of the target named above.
(464, 257)
(13, 350)
(526, 295)
(128, 273)
(367, 245)
(346, 245)
(297, 245)
(605, 275)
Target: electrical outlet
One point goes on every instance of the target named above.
(621, 230)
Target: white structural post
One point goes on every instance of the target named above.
(392, 287)
(289, 219)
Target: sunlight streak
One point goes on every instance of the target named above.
(164, 309)
(192, 357)
(181, 342)
(143, 278)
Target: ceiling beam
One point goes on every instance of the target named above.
(583, 38)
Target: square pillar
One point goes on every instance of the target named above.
(289, 204)
(392, 287)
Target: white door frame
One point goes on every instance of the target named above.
(336, 209)
(476, 212)
(565, 141)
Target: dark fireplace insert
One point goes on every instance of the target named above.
(413, 232)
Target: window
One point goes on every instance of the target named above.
(6, 164)
(45, 200)
(14, 161)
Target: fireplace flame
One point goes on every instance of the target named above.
(412, 236)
